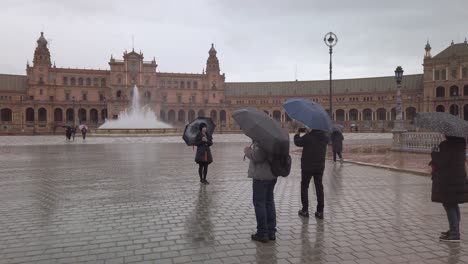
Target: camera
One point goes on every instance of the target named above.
(302, 130)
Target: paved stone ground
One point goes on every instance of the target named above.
(142, 203)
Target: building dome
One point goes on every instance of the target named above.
(41, 41)
(212, 50)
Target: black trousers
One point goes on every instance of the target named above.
(202, 170)
(334, 155)
(306, 176)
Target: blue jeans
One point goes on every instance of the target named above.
(264, 203)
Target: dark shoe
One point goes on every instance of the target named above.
(258, 238)
(450, 238)
(272, 236)
(206, 182)
(319, 215)
(303, 213)
(444, 233)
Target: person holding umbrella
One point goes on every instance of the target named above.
(449, 179)
(314, 147)
(337, 142)
(203, 156)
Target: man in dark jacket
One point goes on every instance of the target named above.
(314, 145)
(337, 145)
(449, 182)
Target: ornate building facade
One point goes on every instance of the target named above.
(48, 97)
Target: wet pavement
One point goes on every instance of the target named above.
(143, 203)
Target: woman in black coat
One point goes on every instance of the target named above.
(337, 145)
(203, 157)
(449, 182)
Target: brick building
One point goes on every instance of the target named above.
(49, 97)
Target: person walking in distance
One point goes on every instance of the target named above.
(314, 147)
(203, 155)
(337, 145)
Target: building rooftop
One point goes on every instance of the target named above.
(10, 82)
(343, 86)
(459, 49)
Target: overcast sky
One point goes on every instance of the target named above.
(256, 40)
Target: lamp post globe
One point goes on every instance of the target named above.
(330, 40)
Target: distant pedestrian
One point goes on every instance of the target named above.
(203, 156)
(73, 132)
(83, 132)
(68, 133)
(314, 144)
(263, 196)
(337, 145)
(449, 182)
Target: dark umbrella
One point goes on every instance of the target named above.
(267, 132)
(193, 128)
(443, 123)
(309, 113)
(337, 127)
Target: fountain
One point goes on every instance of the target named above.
(137, 120)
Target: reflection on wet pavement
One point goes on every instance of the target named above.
(143, 203)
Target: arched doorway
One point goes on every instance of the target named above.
(214, 115)
(222, 116)
(162, 115)
(82, 115)
(465, 90)
(277, 115)
(201, 113)
(454, 91)
(6, 115)
(381, 114)
(440, 108)
(93, 115)
(171, 116)
(393, 114)
(181, 116)
(440, 91)
(367, 114)
(465, 112)
(191, 115)
(410, 113)
(70, 115)
(42, 115)
(58, 115)
(340, 115)
(29, 115)
(104, 114)
(353, 115)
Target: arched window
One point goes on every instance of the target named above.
(381, 114)
(103, 82)
(454, 90)
(96, 82)
(340, 115)
(454, 110)
(191, 115)
(222, 116)
(73, 81)
(65, 80)
(58, 115)
(195, 85)
(70, 115)
(6, 115)
(42, 115)
(119, 94)
(80, 81)
(181, 116)
(465, 112)
(29, 114)
(440, 108)
(440, 91)
(444, 74)
(182, 86)
(465, 90)
(189, 85)
(88, 81)
(393, 114)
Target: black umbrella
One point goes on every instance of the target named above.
(267, 132)
(193, 128)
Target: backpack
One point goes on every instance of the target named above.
(280, 164)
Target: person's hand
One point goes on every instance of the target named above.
(204, 139)
(297, 131)
(247, 150)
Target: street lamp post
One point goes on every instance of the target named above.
(330, 40)
(74, 113)
(398, 126)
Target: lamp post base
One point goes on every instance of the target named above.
(398, 130)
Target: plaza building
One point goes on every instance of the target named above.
(48, 97)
